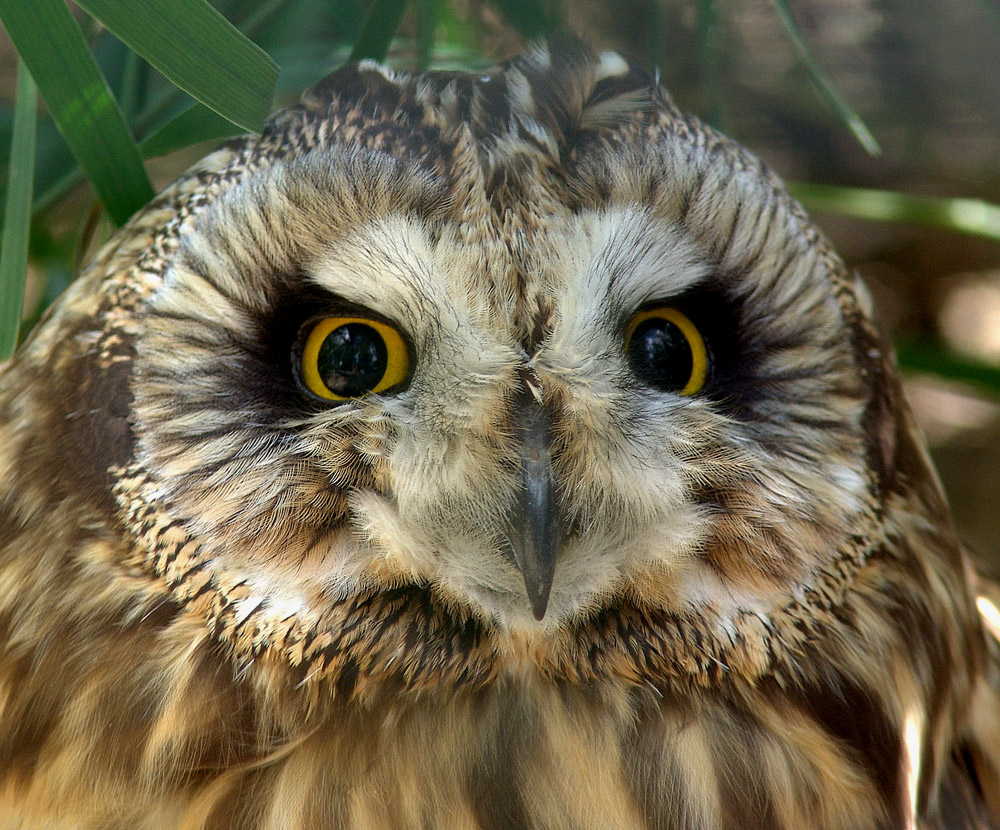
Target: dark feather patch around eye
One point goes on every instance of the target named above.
(716, 320)
(739, 341)
(261, 378)
(747, 378)
(280, 338)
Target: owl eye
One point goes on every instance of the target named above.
(666, 350)
(346, 357)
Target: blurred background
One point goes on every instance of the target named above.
(883, 115)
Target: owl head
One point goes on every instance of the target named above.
(444, 374)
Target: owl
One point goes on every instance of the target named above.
(480, 452)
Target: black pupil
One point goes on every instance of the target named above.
(352, 359)
(660, 354)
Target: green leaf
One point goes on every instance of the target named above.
(195, 124)
(378, 30)
(825, 85)
(198, 50)
(972, 216)
(527, 16)
(133, 82)
(937, 360)
(17, 214)
(710, 62)
(427, 21)
(52, 46)
(260, 15)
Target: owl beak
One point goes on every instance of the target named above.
(535, 533)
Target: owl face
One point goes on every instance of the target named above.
(531, 344)
(444, 376)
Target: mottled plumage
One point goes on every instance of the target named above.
(226, 602)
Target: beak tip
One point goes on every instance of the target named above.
(538, 572)
(539, 604)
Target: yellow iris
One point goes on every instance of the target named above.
(690, 383)
(354, 355)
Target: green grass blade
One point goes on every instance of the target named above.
(198, 50)
(710, 62)
(379, 28)
(260, 15)
(195, 124)
(836, 101)
(527, 16)
(52, 46)
(17, 213)
(133, 83)
(427, 22)
(971, 216)
(936, 360)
